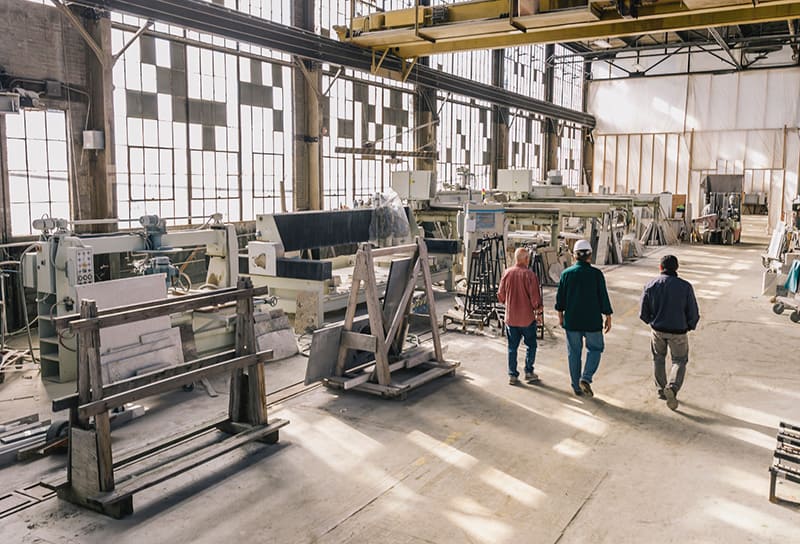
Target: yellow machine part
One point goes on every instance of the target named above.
(487, 24)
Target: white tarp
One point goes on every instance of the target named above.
(672, 130)
(649, 105)
(766, 99)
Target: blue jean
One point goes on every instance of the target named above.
(515, 335)
(594, 348)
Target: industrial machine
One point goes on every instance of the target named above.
(63, 271)
(485, 260)
(721, 219)
(307, 259)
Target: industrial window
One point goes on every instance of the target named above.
(526, 142)
(464, 135)
(473, 65)
(279, 11)
(38, 168)
(524, 70)
(361, 111)
(568, 92)
(206, 127)
(568, 79)
(524, 74)
(265, 92)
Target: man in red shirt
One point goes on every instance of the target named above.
(519, 291)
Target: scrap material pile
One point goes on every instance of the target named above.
(657, 230)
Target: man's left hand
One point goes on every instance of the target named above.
(608, 324)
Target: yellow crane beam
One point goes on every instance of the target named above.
(493, 24)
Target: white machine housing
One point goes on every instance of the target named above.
(414, 184)
(482, 220)
(514, 181)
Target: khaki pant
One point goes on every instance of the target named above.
(678, 345)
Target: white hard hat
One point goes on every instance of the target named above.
(583, 245)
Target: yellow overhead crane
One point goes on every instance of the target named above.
(421, 31)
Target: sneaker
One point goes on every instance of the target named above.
(513, 380)
(672, 401)
(661, 394)
(578, 392)
(586, 388)
(531, 377)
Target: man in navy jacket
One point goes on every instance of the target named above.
(670, 308)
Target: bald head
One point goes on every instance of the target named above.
(521, 255)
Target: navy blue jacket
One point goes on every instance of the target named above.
(668, 304)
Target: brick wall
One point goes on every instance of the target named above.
(37, 43)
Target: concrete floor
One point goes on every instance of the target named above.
(473, 459)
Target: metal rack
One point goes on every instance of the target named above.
(94, 479)
(486, 267)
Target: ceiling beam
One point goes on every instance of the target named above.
(714, 33)
(407, 45)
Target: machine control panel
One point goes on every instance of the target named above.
(80, 265)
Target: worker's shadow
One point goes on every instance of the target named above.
(545, 388)
(629, 415)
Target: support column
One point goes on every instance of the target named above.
(500, 120)
(425, 137)
(102, 169)
(588, 136)
(307, 183)
(551, 140)
(5, 205)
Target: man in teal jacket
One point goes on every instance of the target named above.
(581, 302)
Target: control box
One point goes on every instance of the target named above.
(45, 279)
(262, 258)
(414, 184)
(80, 265)
(29, 271)
(514, 181)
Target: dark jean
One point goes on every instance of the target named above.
(594, 348)
(515, 335)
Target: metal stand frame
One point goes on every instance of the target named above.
(92, 479)
(786, 463)
(377, 378)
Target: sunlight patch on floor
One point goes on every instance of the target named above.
(751, 415)
(483, 529)
(571, 448)
(741, 480)
(509, 485)
(748, 435)
(748, 519)
(445, 452)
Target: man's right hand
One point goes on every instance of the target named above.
(561, 319)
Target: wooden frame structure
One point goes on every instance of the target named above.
(91, 479)
(388, 330)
